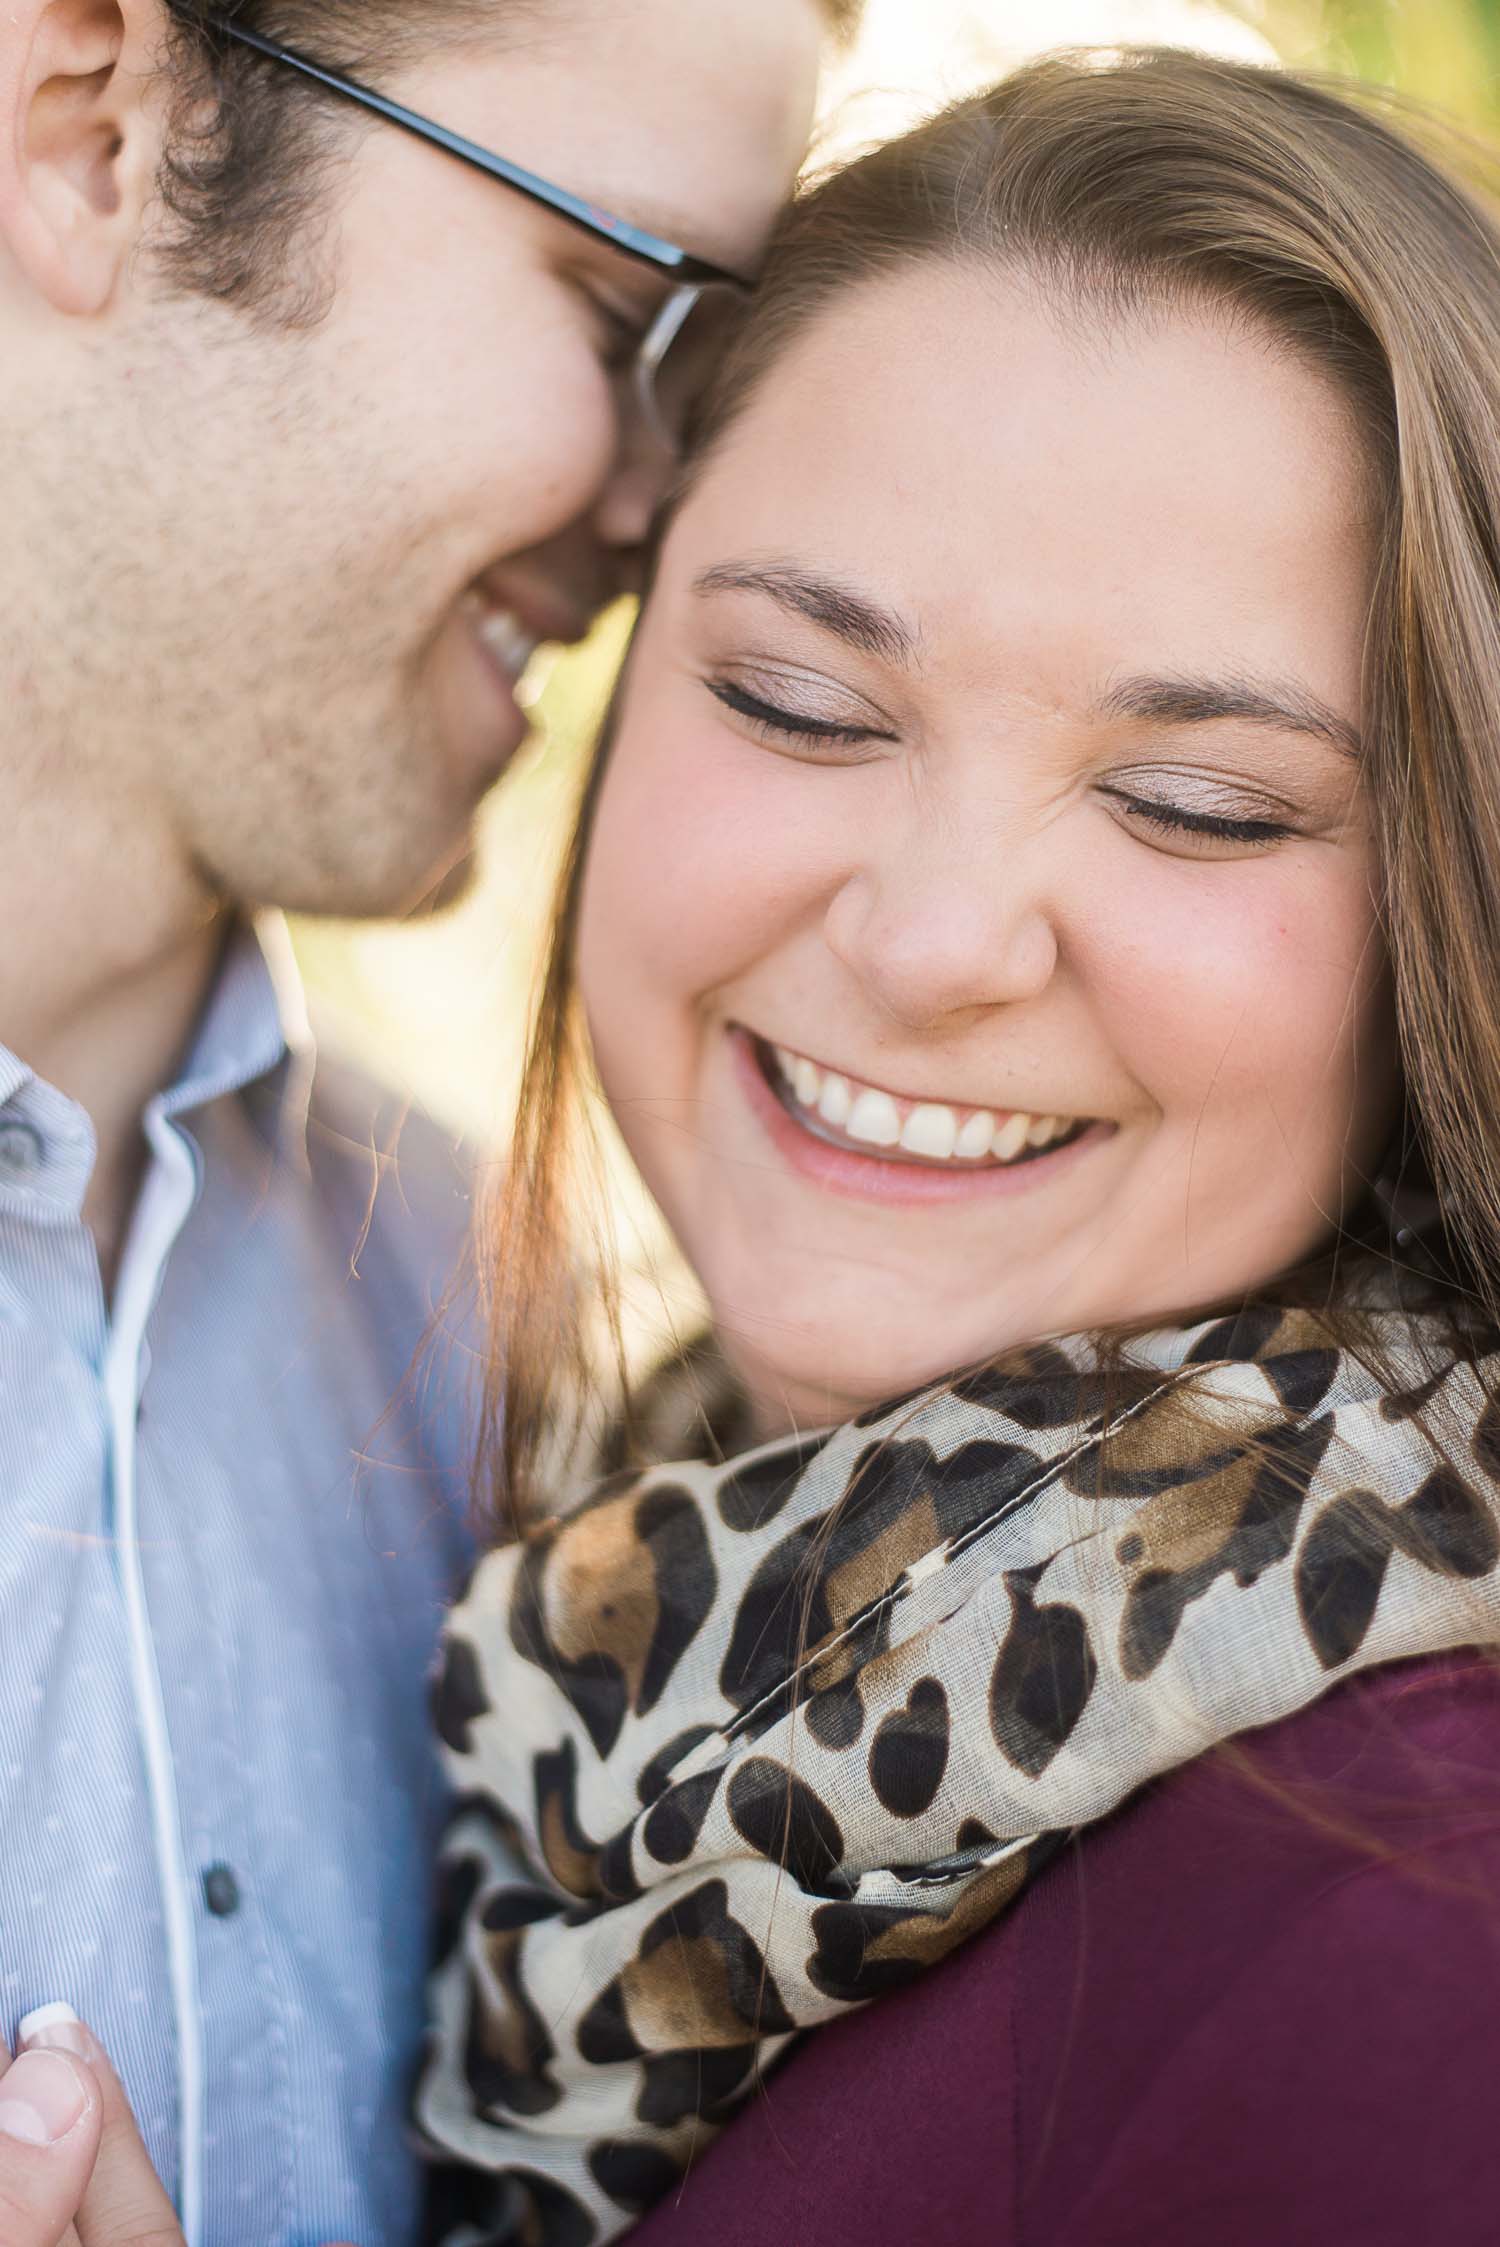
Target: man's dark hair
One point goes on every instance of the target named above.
(250, 146)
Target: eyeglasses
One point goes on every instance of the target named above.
(705, 303)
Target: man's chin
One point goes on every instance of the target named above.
(416, 898)
(351, 883)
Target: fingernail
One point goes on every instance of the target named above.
(42, 2096)
(56, 2028)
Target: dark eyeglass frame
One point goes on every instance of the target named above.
(687, 275)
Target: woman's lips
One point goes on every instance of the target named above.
(894, 1177)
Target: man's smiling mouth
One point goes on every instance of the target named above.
(865, 1119)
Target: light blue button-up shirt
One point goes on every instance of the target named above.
(223, 1563)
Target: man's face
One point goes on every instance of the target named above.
(280, 579)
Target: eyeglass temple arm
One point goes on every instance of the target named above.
(636, 241)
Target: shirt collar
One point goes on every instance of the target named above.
(252, 1039)
(254, 1025)
(14, 1075)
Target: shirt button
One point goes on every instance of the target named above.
(221, 1891)
(22, 1149)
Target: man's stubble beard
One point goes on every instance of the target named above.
(240, 693)
(328, 799)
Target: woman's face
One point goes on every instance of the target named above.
(978, 937)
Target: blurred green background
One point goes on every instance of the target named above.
(439, 1006)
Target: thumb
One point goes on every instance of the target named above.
(50, 2119)
(123, 2200)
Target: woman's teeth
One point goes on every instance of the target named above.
(929, 1129)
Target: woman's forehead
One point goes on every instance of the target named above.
(993, 477)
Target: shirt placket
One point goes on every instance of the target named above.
(166, 1199)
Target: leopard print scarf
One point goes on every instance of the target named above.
(741, 1746)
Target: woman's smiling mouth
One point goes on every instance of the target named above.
(861, 1140)
(848, 1113)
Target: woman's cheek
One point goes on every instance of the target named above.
(702, 856)
(1241, 1002)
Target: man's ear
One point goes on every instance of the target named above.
(80, 139)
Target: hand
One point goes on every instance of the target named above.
(73, 2169)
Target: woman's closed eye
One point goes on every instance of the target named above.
(805, 730)
(1198, 828)
(1220, 822)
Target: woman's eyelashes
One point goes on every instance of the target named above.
(1188, 828)
(1198, 828)
(771, 720)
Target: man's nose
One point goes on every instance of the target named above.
(934, 932)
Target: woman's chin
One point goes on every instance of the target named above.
(819, 1387)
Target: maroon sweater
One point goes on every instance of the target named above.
(1221, 2019)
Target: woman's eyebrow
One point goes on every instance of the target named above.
(1196, 702)
(879, 631)
(836, 608)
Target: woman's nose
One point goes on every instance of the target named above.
(931, 934)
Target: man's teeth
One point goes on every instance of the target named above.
(507, 639)
(928, 1128)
